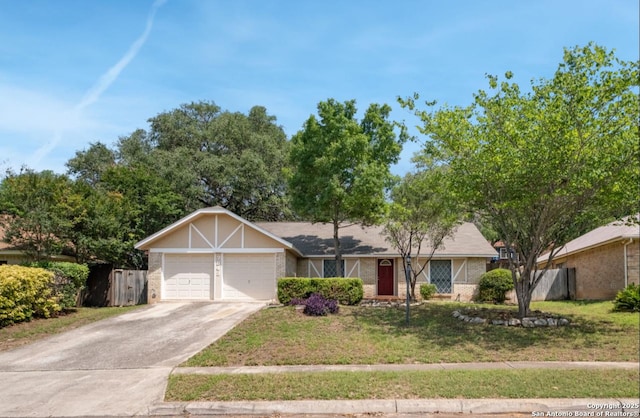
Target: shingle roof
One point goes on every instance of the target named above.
(317, 240)
(611, 232)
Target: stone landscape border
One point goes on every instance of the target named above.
(544, 320)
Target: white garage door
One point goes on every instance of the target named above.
(188, 276)
(249, 276)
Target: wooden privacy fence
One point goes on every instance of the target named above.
(555, 284)
(115, 287)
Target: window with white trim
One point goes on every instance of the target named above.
(329, 268)
(504, 255)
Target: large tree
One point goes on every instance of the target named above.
(216, 157)
(125, 199)
(422, 214)
(340, 166)
(545, 165)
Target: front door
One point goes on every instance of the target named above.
(385, 277)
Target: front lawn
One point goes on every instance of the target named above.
(366, 335)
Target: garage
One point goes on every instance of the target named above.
(249, 277)
(188, 276)
(215, 255)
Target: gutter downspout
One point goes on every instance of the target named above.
(626, 273)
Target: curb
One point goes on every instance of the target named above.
(627, 407)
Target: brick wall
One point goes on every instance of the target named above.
(633, 262)
(476, 267)
(291, 269)
(281, 265)
(599, 271)
(154, 278)
(464, 292)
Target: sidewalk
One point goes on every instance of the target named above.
(471, 407)
(409, 367)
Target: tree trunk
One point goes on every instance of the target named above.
(413, 278)
(336, 246)
(523, 292)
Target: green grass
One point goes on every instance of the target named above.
(27, 332)
(365, 335)
(406, 385)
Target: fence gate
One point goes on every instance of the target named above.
(128, 287)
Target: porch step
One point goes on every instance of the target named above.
(384, 298)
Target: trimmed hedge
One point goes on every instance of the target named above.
(69, 280)
(347, 291)
(494, 285)
(25, 293)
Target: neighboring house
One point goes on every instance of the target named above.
(606, 260)
(14, 255)
(214, 254)
(501, 260)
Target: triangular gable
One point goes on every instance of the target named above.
(211, 229)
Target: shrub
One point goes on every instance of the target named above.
(628, 299)
(293, 288)
(348, 291)
(494, 285)
(318, 305)
(69, 280)
(25, 293)
(427, 290)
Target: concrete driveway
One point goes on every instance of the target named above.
(115, 367)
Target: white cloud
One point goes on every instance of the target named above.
(93, 94)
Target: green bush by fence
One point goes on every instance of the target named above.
(347, 291)
(494, 285)
(69, 280)
(25, 292)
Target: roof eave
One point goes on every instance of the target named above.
(543, 258)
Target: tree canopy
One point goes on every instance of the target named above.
(547, 165)
(191, 157)
(34, 207)
(215, 157)
(341, 167)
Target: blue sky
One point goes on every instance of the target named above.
(73, 72)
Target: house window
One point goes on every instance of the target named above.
(440, 275)
(329, 268)
(504, 255)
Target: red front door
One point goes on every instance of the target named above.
(385, 277)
